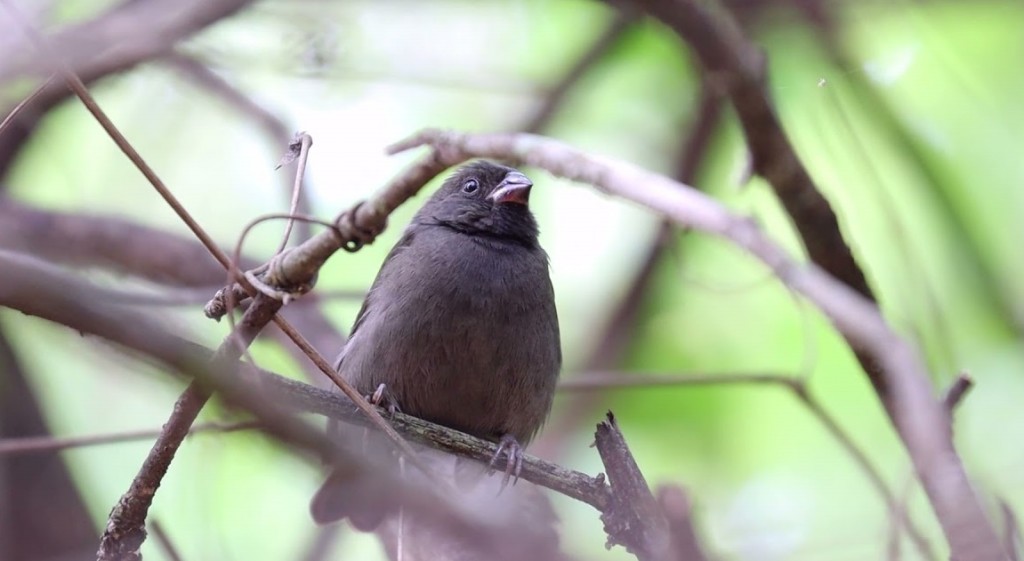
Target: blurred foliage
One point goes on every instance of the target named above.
(924, 172)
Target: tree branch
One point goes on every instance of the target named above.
(634, 519)
(130, 33)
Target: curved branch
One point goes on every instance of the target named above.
(920, 421)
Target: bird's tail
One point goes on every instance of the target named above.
(346, 494)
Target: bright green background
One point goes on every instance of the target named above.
(926, 185)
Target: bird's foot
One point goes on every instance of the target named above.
(513, 459)
(382, 397)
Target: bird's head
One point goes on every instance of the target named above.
(484, 198)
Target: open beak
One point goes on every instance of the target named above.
(515, 188)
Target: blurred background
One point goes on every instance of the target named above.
(906, 113)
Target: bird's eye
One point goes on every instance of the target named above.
(470, 186)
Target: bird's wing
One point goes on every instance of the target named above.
(366, 309)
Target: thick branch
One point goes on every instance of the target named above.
(116, 40)
(102, 240)
(128, 33)
(128, 247)
(59, 527)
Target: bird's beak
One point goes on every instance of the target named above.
(514, 189)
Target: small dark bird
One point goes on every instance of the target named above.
(460, 324)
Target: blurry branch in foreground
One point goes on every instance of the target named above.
(273, 400)
(127, 247)
(125, 530)
(898, 512)
(129, 33)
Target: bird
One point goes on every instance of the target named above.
(459, 327)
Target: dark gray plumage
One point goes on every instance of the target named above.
(460, 323)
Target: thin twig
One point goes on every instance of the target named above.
(618, 330)
(957, 391)
(165, 540)
(24, 103)
(675, 503)
(303, 142)
(1011, 531)
(49, 444)
(274, 128)
(556, 95)
(599, 381)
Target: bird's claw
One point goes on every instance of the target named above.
(513, 459)
(382, 397)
